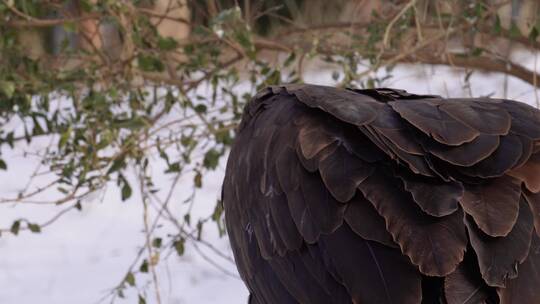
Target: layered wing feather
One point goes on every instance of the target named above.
(365, 196)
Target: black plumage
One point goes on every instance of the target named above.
(382, 196)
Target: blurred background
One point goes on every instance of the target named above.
(116, 119)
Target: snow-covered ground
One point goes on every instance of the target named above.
(80, 257)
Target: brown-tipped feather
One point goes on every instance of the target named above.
(467, 154)
(288, 170)
(465, 285)
(427, 117)
(435, 245)
(529, 173)
(483, 117)
(524, 118)
(534, 202)
(494, 204)
(524, 288)
(366, 222)
(498, 257)
(342, 172)
(313, 140)
(433, 196)
(507, 155)
(371, 272)
(325, 210)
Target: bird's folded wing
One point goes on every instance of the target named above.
(366, 195)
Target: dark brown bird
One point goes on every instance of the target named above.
(382, 196)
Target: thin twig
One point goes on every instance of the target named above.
(148, 236)
(390, 25)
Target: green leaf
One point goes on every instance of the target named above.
(62, 190)
(70, 27)
(131, 124)
(126, 191)
(169, 101)
(224, 137)
(65, 137)
(197, 180)
(35, 228)
(15, 227)
(142, 300)
(218, 211)
(144, 266)
(199, 230)
(150, 64)
(243, 37)
(179, 246)
(514, 30)
(167, 43)
(130, 279)
(290, 59)
(274, 78)
(157, 242)
(211, 159)
(120, 292)
(86, 5)
(533, 35)
(3, 165)
(477, 51)
(37, 130)
(200, 108)
(117, 164)
(370, 83)
(186, 141)
(10, 138)
(7, 88)
(173, 168)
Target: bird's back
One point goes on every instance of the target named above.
(381, 196)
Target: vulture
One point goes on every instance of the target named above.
(381, 196)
